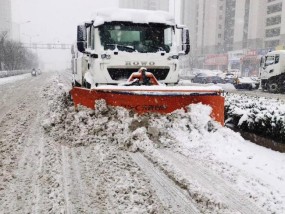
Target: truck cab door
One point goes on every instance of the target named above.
(271, 66)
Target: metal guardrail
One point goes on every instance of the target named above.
(47, 46)
(13, 73)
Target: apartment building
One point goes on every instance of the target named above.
(5, 17)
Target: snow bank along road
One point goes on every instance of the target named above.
(259, 93)
(231, 89)
(56, 160)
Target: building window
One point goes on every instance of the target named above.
(274, 8)
(273, 20)
(272, 44)
(219, 35)
(272, 32)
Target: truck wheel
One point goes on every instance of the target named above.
(273, 87)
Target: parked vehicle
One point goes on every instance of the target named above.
(205, 79)
(249, 83)
(229, 78)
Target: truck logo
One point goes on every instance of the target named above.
(136, 63)
(146, 107)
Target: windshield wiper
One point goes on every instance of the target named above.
(159, 48)
(121, 46)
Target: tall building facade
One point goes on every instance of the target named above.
(249, 24)
(236, 30)
(5, 17)
(228, 25)
(145, 4)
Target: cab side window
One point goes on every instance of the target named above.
(90, 37)
(277, 57)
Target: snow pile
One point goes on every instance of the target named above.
(263, 116)
(12, 79)
(225, 86)
(122, 127)
(4, 74)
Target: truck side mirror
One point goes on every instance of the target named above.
(81, 38)
(185, 40)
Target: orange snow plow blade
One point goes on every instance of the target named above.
(156, 99)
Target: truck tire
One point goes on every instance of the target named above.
(273, 88)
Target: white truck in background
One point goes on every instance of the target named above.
(272, 71)
(116, 43)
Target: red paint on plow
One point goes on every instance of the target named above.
(161, 101)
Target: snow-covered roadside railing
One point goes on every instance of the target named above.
(13, 73)
(259, 115)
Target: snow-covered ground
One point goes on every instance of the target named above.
(57, 160)
(226, 87)
(12, 79)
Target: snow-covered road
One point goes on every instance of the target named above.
(56, 160)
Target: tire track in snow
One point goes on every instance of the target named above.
(167, 191)
(39, 170)
(195, 171)
(66, 180)
(84, 201)
(24, 150)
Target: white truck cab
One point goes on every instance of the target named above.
(116, 43)
(272, 71)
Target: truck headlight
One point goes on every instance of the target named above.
(106, 56)
(173, 57)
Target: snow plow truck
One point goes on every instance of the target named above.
(131, 58)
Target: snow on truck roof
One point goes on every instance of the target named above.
(276, 52)
(132, 15)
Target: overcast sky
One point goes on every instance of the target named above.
(54, 21)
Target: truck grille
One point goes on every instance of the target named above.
(125, 73)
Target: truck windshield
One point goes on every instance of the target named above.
(270, 60)
(131, 37)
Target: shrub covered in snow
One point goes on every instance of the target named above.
(262, 116)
